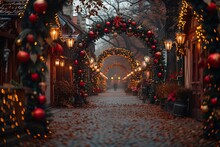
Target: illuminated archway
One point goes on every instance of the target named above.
(117, 52)
(118, 25)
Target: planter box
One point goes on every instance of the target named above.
(179, 109)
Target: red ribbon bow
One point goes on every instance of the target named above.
(117, 21)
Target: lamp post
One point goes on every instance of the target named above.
(180, 51)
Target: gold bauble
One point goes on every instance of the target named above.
(19, 42)
(204, 108)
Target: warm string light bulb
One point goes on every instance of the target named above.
(12, 109)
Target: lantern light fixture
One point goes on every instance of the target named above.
(180, 39)
(57, 62)
(54, 32)
(70, 40)
(62, 63)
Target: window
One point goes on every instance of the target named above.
(195, 59)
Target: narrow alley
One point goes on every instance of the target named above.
(114, 119)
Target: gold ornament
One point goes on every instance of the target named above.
(204, 108)
(19, 42)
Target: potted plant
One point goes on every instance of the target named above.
(182, 101)
(170, 101)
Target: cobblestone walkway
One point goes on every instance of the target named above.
(114, 119)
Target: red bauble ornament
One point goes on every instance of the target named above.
(81, 83)
(42, 99)
(40, 6)
(98, 25)
(79, 71)
(108, 23)
(157, 54)
(82, 53)
(214, 60)
(76, 62)
(153, 47)
(159, 74)
(23, 56)
(133, 23)
(156, 61)
(124, 25)
(35, 77)
(214, 101)
(211, 7)
(149, 33)
(59, 48)
(30, 38)
(207, 79)
(155, 42)
(33, 18)
(106, 30)
(38, 114)
(91, 34)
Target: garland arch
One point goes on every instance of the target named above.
(116, 25)
(117, 52)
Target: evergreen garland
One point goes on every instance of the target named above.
(211, 58)
(33, 44)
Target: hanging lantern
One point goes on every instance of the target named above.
(180, 38)
(70, 41)
(57, 62)
(54, 33)
(168, 44)
(62, 63)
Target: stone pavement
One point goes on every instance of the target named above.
(114, 119)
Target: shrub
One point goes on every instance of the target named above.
(64, 92)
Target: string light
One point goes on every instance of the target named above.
(183, 12)
(12, 109)
(117, 52)
(21, 14)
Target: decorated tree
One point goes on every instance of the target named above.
(206, 12)
(34, 43)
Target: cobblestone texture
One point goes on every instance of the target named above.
(114, 119)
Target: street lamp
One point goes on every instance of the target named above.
(54, 32)
(62, 63)
(180, 39)
(57, 62)
(70, 40)
(168, 44)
